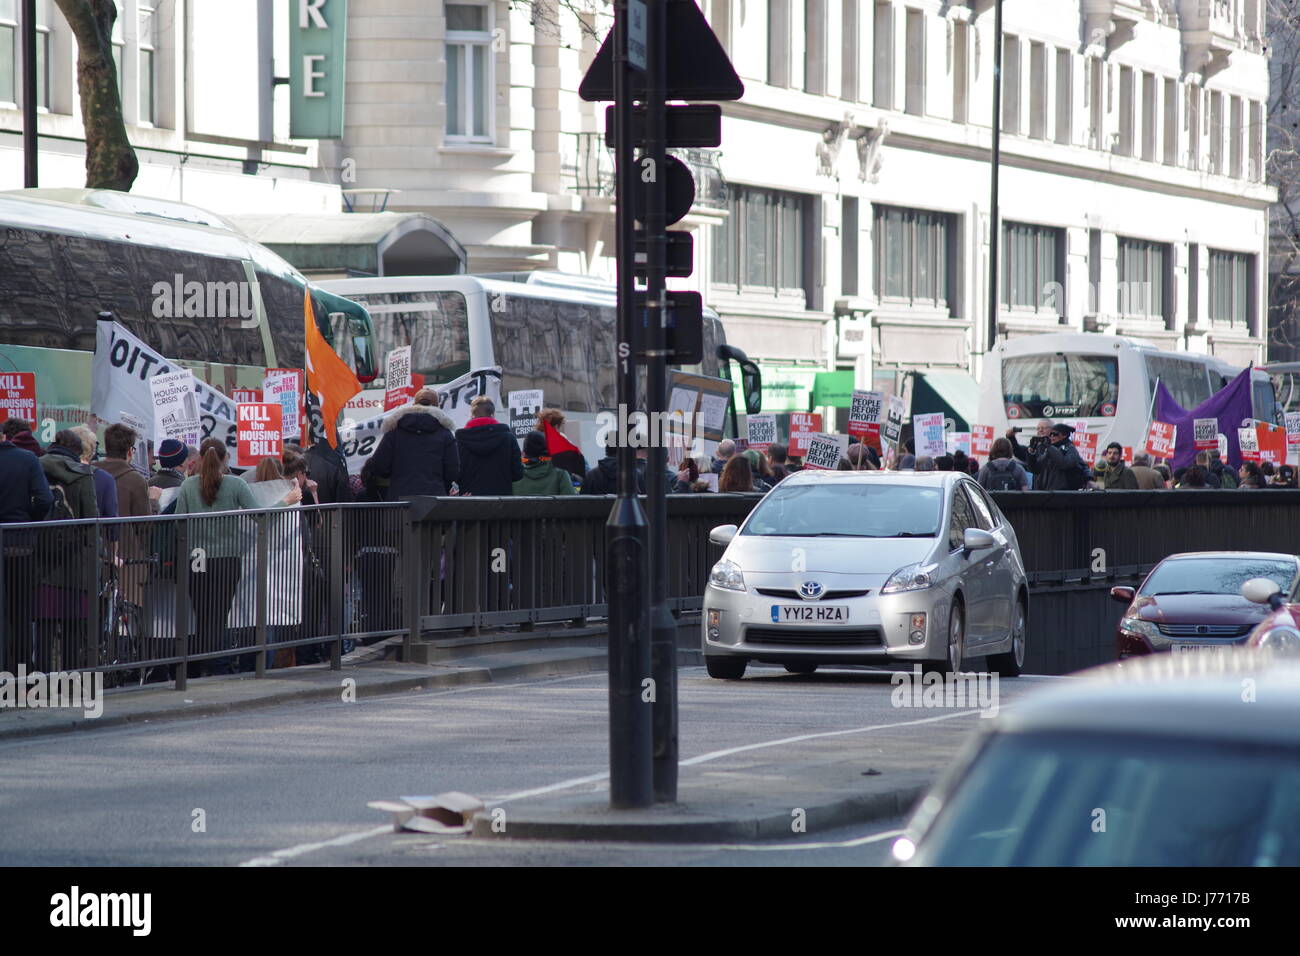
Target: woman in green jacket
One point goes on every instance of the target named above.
(221, 543)
(541, 477)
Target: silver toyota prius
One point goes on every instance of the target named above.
(874, 567)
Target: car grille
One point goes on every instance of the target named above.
(1210, 630)
(790, 594)
(827, 637)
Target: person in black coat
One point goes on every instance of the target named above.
(490, 462)
(329, 469)
(417, 453)
(1056, 463)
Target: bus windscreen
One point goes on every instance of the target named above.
(1060, 385)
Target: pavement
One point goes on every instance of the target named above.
(779, 788)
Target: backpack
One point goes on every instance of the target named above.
(1079, 476)
(60, 510)
(1002, 478)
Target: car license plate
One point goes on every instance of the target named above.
(810, 613)
(1189, 648)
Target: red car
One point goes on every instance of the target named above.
(1194, 602)
(1280, 630)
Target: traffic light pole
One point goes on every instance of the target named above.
(663, 628)
(630, 779)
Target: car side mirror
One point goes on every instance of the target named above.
(977, 539)
(723, 534)
(1123, 595)
(1262, 591)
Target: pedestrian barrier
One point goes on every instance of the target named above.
(148, 599)
(155, 598)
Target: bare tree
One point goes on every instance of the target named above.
(111, 162)
(1283, 171)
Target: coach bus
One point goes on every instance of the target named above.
(180, 278)
(1107, 381)
(546, 330)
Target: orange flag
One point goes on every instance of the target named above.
(328, 377)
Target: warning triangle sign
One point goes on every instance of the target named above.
(698, 67)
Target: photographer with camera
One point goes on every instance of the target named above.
(1055, 462)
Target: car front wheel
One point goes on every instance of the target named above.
(956, 645)
(1010, 663)
(725, 668)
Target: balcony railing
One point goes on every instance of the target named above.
(587, 168)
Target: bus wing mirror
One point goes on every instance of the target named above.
(751, 380)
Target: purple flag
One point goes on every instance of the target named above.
(1231, 405)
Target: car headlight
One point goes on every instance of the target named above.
(726, 574)
(1282, 639)
(1135, 625)
(914, 577)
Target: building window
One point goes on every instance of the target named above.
(849, 245)
(1096, 101)
(1148, 117)
(960, 72)
(469, 73)
(1064, 97)
(1124, 141)
(1037, 91)
(119, 48)
(778, 42)
(915, 101)
(148, 62)
(912, 252)
(1171, 123)
(1193, 127)
(11, 55)
(1216, 133)
(849, 50)
(1230, 287)
(760, 248)
(1010, 84)
(883, 68)
(814, 70)
(1234, 138)
(1256, 134)
(1031, 266)
(1142, 269)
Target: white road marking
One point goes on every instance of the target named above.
(279, 856)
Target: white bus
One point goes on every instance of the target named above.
(546, 330)
(1108, 381)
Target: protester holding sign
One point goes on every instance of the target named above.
(490, 462)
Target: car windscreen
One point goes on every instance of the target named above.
(1053, 799)
(870, 509)
(1218, 575)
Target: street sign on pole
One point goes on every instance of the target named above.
(636, 18)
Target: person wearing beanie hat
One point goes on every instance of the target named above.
(1056, 464)
(541, 477)
(175, 461)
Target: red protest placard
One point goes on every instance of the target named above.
(1086, 442)
(245, 396)
(981, 440)
(1160, 439)
(1272, 443)
(18, 396)
(259, 432)
(1128, 455)
(803, 425)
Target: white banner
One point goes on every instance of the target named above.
(120, 385)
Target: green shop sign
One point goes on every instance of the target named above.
(834, 389)
(318, 33)
(787, 389)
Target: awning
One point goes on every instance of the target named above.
(379, 243)
(955, 394)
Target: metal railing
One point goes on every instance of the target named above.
(159, 598)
